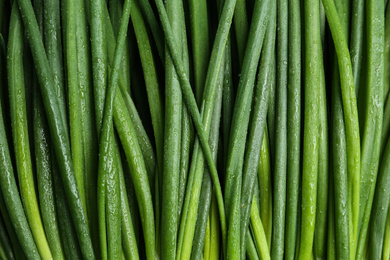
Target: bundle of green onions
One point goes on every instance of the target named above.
(199, 129)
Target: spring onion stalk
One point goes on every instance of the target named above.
(200, 43)
(350, 115)
(380, 207)
(12, 198)
(257, 127)
(293, 126)
(313, 77)
(172, 143)
(57, 129)
(20, 133)
(373, 116)
(281, 145)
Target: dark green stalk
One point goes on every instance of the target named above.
(138, 172)
(100, 79)
(106, 144)
(241, 28)
(5, 243)
(65, 223)
(240, 122)
(200, 44)
(373, 115)
(44, 177)
(11, 197)
(197, 210)
(340, 189)
(216, 59)
(186, 127)
(293, 126)
(99, 53)
(142, 137)
(227, 100)
(20, 132)
(202, 228)
(152, 86)
(206, 189)
(380, 207)
(257, 127)
(323, 172)
(271, 114)
(187, 200)
(339, 158)
(89, 133)
(186, 130)
(350, 114)
(115, 8)
(172, 144)
(356, 41)
(215, 231)
(280, 163)
(57, 129)
(53, 45)
(74, 93)
(157, 33)
(17, 249)
(129, 242)
(211, 80)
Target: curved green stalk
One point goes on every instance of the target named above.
(239, 126)
(204, 204)
(139, 175)
(172, 144)
(129, 242)
(17, 249)
(20, 133)
(57, 128)
(44, 177)
(257, 127)
(67, 230)
(211, 80)
(350, 115)
(259, 234)
(157, 33)
(12, 200)
(6, 251)
(106, 144)
(372, 115)
(251, 251)
(380, 207)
